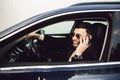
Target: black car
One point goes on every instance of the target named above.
(26, 59)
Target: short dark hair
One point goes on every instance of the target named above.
(84, 25)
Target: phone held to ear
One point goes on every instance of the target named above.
(89, 39)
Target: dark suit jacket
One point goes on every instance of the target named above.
(91, 54)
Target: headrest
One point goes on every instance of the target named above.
(99, 30)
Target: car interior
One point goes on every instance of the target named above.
(53, 49)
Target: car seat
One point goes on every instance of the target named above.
(99, 31)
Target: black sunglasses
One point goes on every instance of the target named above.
(76, 35)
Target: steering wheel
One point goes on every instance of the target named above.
(33, 51)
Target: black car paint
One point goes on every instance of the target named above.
(75, 71)
(94, 71)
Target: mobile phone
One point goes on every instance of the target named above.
(89, 39)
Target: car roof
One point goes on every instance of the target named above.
(96, 3)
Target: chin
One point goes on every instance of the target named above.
(75, 45)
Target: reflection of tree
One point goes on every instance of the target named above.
(115, 53)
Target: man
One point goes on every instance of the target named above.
(82, 49)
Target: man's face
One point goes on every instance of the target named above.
(77, 34)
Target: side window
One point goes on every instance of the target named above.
(115, 45)
(58, 44)
(59, 28)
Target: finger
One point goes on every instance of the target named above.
(87, 40)
(84, 40)
(81, 41)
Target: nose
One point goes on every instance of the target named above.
(74, 37)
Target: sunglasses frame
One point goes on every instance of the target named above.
(76, 35)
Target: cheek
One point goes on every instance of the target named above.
(75, 39)
(75, 44)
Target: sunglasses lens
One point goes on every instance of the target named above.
(76, 35)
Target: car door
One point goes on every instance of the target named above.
(18, 60)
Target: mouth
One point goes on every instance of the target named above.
(75, 44)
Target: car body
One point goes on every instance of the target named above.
(60, 24)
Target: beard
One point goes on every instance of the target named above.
(75, 43)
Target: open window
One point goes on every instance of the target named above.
(55, 49)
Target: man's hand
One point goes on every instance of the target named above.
(38, 36)
(30, 35)
(83, 45)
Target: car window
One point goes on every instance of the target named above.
(58, 38)
(115, 42)
(59, 28)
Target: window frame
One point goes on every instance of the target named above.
(59, 19)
